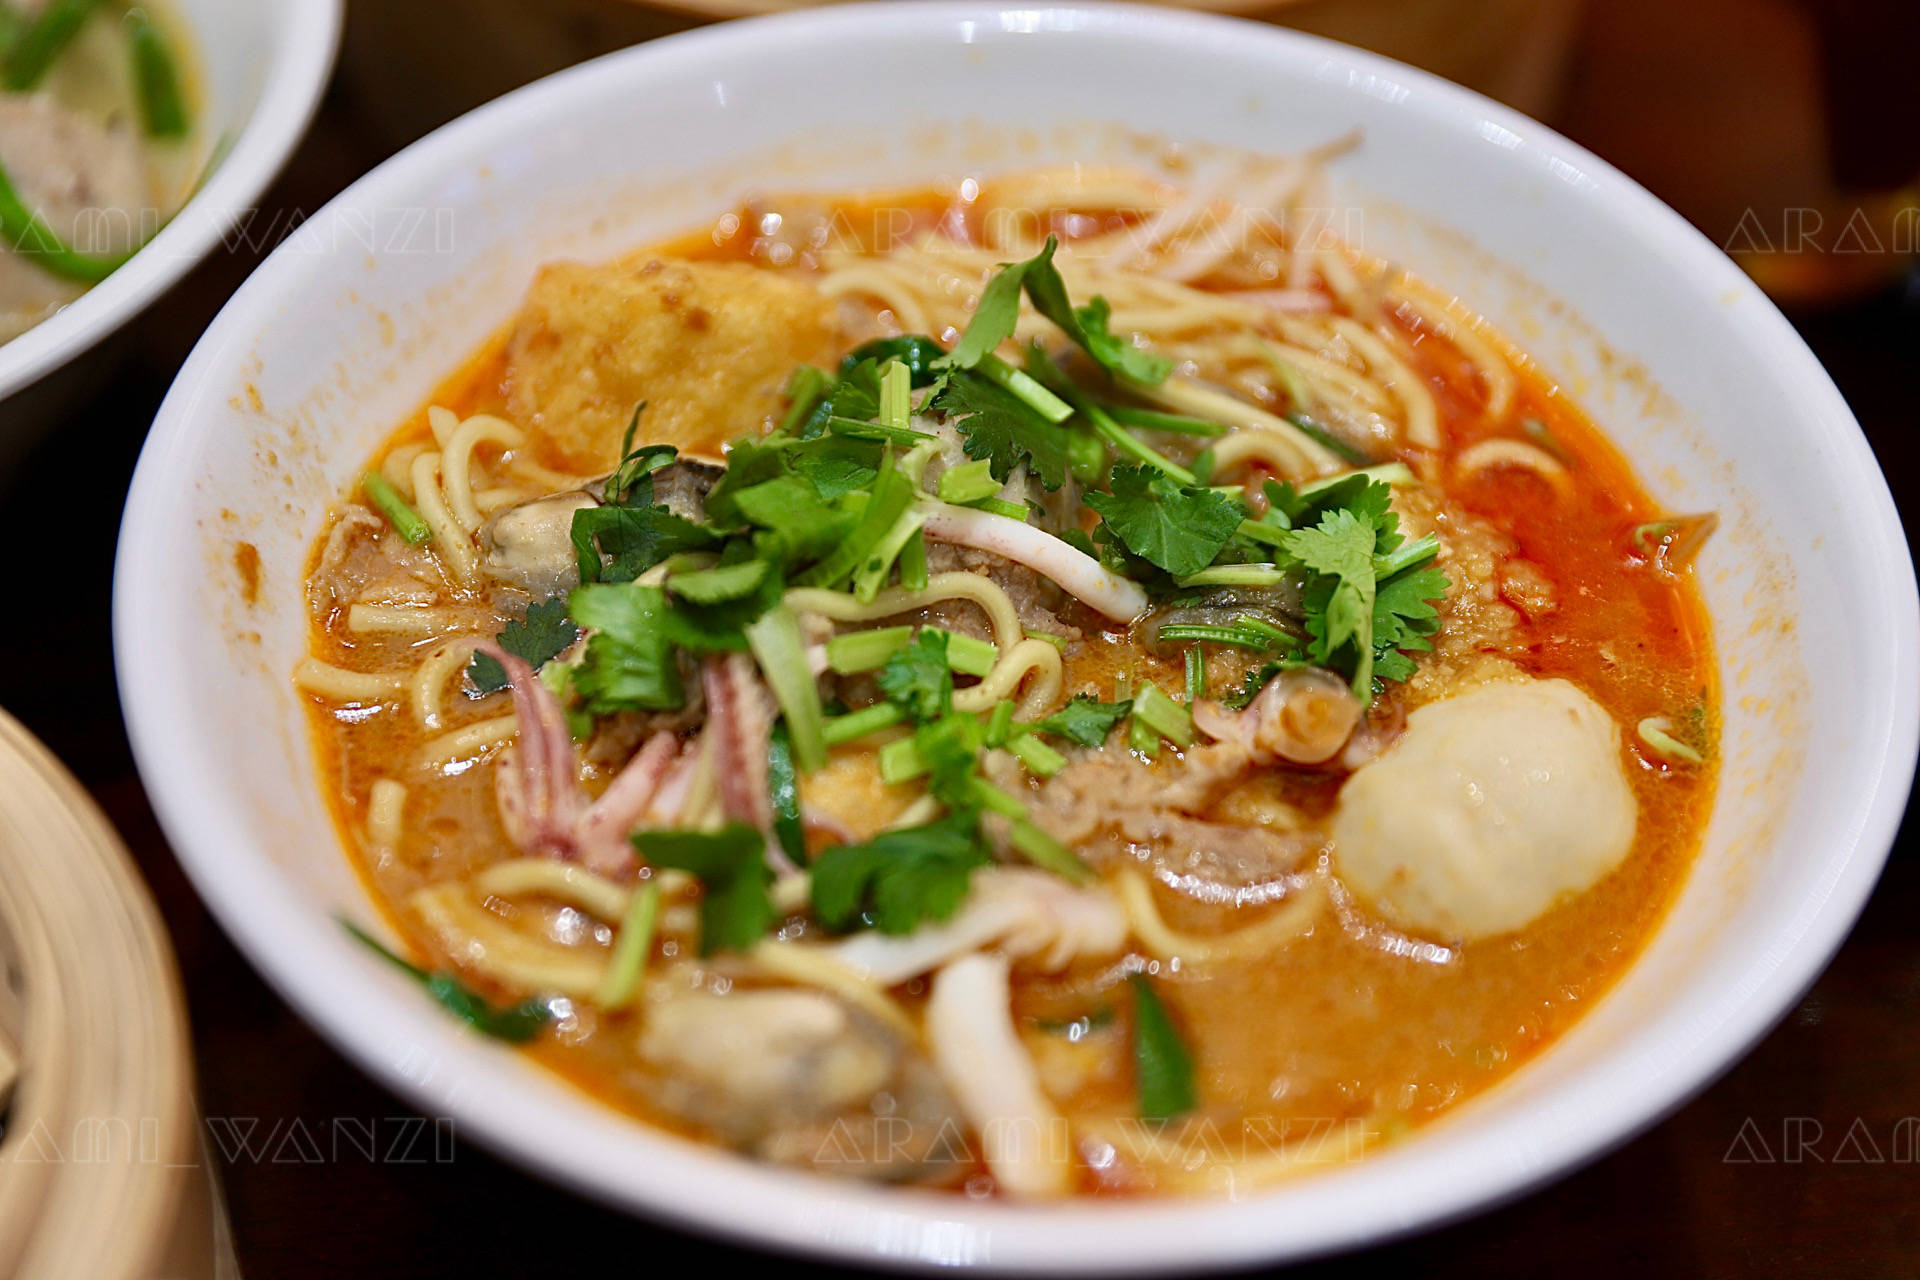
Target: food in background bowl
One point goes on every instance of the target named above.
(997, 686)
(98, 145)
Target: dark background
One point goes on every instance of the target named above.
(1798, 1163)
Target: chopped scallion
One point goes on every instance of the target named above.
(1163, 715)
(628, 963)
(404, 519)
(781, 652)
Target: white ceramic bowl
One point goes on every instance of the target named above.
(354, 320)
(264, 64)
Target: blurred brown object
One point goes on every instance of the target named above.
(464, 52)
(1783, 129)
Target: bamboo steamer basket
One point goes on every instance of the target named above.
(102, 1171)
(415, 64)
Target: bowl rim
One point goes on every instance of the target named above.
(307, 38)
(386, 1030)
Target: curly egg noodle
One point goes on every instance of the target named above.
(1184, 948)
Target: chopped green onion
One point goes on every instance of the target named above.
(1163, 1067)
(1235, 575)
(405, 520)
(1321, 436)
(1058, 642)
(783, 790)
(628, 963)
(967, 483)
(901, 761)
(1039, 758)
(1001, 507)
(1163, 715)
(41, 43)
(1086, 457)
(778, 647)
(1157, 420)
(1389, 473)
(163, 107)
(1411, 555)
(858, 724)
(896, 404)
(887, 501)
(913, 562)
(1275, 635)
(854, 651)
(994, 800)
(807, 387)
(1023, 385)
(1196, 675)
(1047, 853)
(880, 561)
(1254, 531)
(27, 234)
(1657, 733)
(1141, 739)
(1196, 632)
(1000, 721)
(971, 656)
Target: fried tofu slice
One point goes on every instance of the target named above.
(708, 346)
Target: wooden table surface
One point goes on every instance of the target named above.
(1803, 1161)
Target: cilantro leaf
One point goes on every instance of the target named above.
(634, 539)
(918, 678)
(998, 312)
(921, 354)
(1114, 354)
(537, 639)
(1085, 720)
(899, 880)
(631, 484)
(629, 664)
(735, 909)
(514, 1023)
(1163, 1069)
(720, 584)
(1404, 619)
(1179, 529)
(1340, 603)
(1004, 430)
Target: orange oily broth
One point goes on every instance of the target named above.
(1341, 1025)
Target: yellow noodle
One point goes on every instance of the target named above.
(1421, 415)
(478, 940)
(444, 422)
(1292, 919)
(841, 607)
(426, 688)
(404, 619)
(456, 462)
(455, 543)
(1496, 373)
(470, 740)
(1200, 1163)
(1488, 454)
(886, 287)
(809, 966)
(386, 809)
(1036, 656)
(397, 467)
(1309, 456)
(341, 685)
(564, 882)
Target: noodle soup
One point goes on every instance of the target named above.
(1072, 684)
